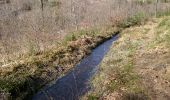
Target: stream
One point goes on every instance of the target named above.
(76, 83)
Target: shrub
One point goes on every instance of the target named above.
(26, 6)
(164, 13)
(145, 2)
(137, 19)
(8, 1)
(78, 34)
(55, 3)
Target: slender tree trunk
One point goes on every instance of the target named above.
(42, 5)
(42, 9)
(156, 8)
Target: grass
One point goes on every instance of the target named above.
(30, 72)
(121, 73)
(35, 70)
(124, 75)
(39, 68)
(78, 34)
(117, 67)
(42, 33)
(117, 71)
(163, 27)
(146, 1)
(92, 97)
(24, 77)
(163, 13)
(151, 1)
(137, 19)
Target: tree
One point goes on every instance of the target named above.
(42, 5)
(156, 8)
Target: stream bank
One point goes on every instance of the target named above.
(137, 67)
(23, 78)
(76, 82)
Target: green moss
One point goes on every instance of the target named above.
(92, 97)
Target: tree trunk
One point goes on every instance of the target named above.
(42, 5)
(156, 8)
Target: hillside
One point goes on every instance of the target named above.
(137, 66)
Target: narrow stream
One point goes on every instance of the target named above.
(76, 82)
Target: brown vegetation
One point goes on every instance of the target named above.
(35, 46)
(25, 28)
(24, 77)
(137, 67)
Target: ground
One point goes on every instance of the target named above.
(138, 65)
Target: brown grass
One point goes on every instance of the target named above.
(30, 46)
(137, 66)
(25, 29)
(27, 75)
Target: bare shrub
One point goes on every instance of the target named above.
(4, 1)
(8, 1)
(26, 29)
(27, 6)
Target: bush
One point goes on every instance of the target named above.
(165, 13)
(55, 3)
(8, 1)
(133, 20)
(27, 6)
(145, 2)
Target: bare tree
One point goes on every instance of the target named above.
(42, 5)
(156, 8)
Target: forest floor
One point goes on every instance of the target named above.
(138, 65)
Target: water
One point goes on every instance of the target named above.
(76, 82)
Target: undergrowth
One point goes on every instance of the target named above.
(137, 19)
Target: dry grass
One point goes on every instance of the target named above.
(27, 75)
(30, 46)
(137, 65)
(25, 29)
(116, 75)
